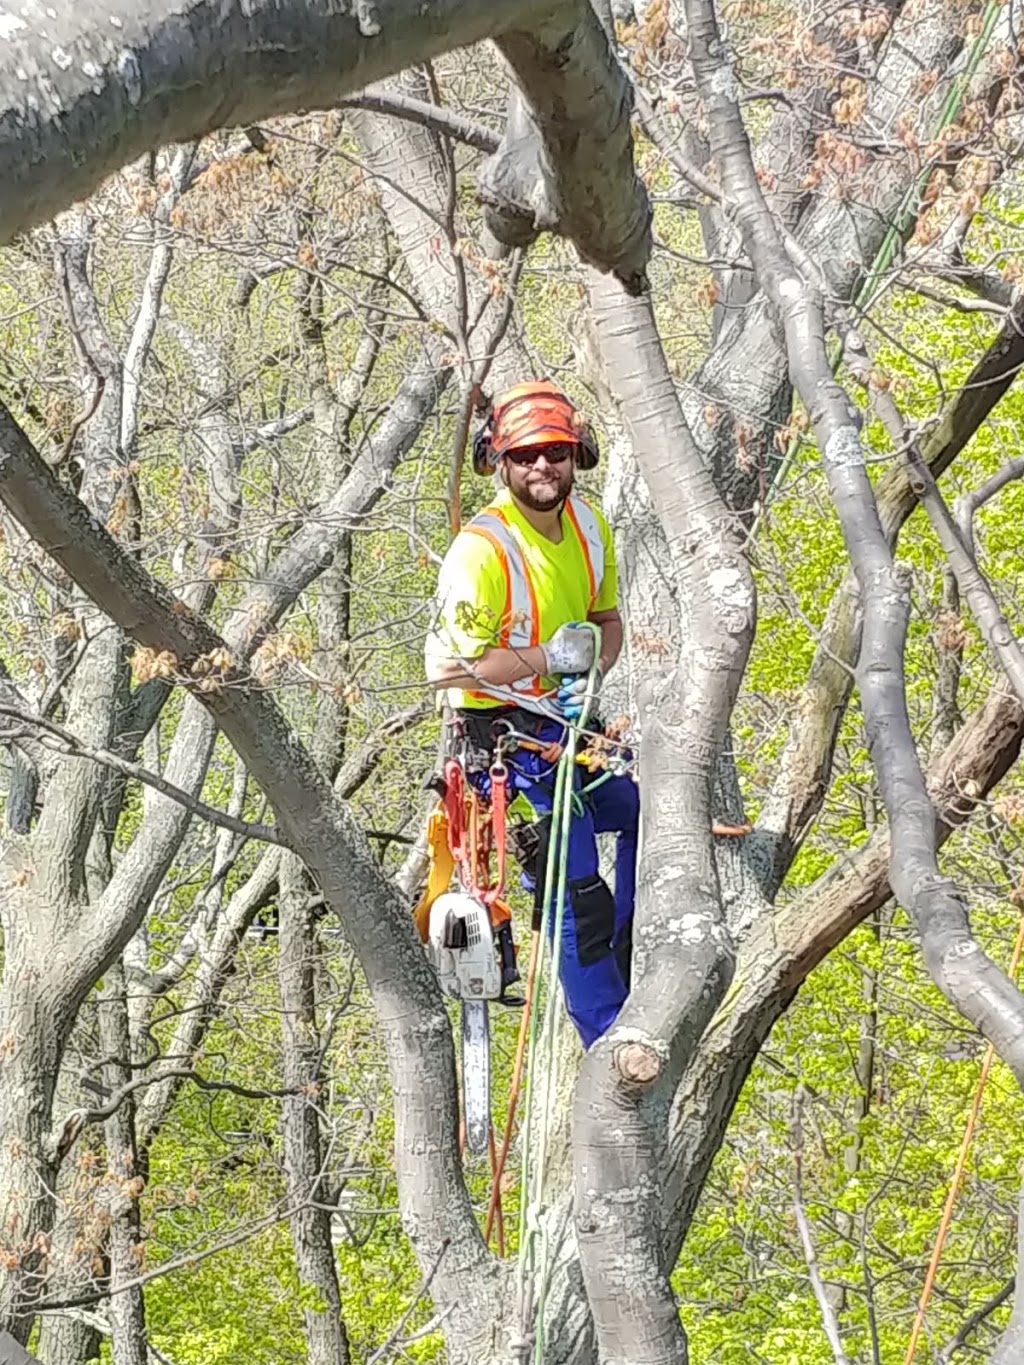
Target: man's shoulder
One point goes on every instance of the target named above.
(470, 549)
(592, 506)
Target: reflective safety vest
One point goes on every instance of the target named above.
(520, 620)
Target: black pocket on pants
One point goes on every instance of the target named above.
(593, 909)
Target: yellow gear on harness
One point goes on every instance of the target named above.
(441, 867)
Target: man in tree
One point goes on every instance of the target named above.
(510, 649)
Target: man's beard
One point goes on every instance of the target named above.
(545, 498)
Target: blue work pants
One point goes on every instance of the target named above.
(597, 927)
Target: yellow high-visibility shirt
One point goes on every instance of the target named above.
(474, 592)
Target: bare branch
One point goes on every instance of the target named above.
(448, 122)
(314, 546)
(326, 835)
(58, 740)
(359, 765)
(267, 432)
(973, 584)
(965, 974)
(215, 958)
(184, 1073)
(782, 949)
(967, 505)
(975, 1320)
(394, 1341)
(148, 313)
(803, 1225)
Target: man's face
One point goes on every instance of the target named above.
(540, 476)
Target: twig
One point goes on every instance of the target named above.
(395, 1337)
(187, 1260)
(829, 1320)
(966, 506)
(79, 422)
(48, 731)
(975, 1320)
(64, 1134)
(383, 101)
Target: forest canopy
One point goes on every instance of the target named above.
(262, 268)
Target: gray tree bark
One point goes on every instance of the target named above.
(683, 954)
(308, 1187)
(962, 971)
(125, 1180)
(433, 1199)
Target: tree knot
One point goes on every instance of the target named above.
(637, 1063)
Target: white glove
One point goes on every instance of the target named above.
(570, 649)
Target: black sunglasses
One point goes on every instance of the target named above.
(554, 454)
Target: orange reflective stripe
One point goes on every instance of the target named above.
(591, 578)
(520, 623)
(534, 608)
(505, 629)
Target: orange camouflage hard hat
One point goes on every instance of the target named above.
(533, 414)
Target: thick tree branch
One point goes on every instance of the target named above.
(683, 955)
(545, 176)
(105, 81)
(109, 79)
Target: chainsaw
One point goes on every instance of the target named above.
(474, 965)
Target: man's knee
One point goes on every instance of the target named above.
(629, 798)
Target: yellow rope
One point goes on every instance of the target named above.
(958, 1174)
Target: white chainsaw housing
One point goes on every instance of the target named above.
(462, 947)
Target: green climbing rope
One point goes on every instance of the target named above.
(533, 1267)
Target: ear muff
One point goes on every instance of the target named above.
(482, 448)
(587, 453)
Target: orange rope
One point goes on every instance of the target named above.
(517, 1080)
(496, 1185)
(958, 1174)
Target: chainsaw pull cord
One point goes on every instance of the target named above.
(533, 1268)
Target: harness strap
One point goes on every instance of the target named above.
(499, 808)
(455, 806)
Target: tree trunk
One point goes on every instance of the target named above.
(326, 1337)
(30, 1052)
(1010, 1349)
(33, 1029)
(124, 1180)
